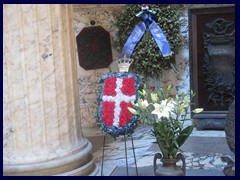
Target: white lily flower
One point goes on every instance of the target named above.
(164, 109)
(142, 104)
(157, 110)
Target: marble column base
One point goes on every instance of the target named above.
(78, 163)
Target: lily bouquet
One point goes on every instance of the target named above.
(166, 114)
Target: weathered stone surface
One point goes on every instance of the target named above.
(230, 127)
(213, 124)
(229, 170)
(88, 116)
(87, 85)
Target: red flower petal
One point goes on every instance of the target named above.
(125, 114)
(108, 112)
(128, 86)
(110, 86)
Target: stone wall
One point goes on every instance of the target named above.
(103, 15)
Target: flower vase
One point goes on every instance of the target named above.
(169, 167)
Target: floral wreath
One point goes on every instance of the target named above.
(117, 91)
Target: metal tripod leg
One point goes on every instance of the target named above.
(134, 155)
(103, 155)
(126, 153)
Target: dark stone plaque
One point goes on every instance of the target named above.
(94, 48)
(212, 58)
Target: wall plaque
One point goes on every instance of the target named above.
(94, 48)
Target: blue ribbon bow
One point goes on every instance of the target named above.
(138, 32)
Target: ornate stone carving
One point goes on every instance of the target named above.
(219, 61)
(212, 58)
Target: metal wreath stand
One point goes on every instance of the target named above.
(126, 130)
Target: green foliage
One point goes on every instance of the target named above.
(148, 60)
(166, 114)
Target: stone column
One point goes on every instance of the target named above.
(41, 122)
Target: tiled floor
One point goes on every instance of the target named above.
(202, 150)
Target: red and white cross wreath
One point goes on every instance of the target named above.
(117, 92)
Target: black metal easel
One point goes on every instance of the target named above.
(125, 154)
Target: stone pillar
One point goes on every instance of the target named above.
(41, 127)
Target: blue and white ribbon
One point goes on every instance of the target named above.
(138, 32)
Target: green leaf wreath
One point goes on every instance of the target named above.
(148, 60)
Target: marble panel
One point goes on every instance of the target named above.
(88, 116)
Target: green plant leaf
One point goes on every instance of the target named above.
(177, 97)
(197, 110)
(140, 92)
(133, 111)
(184, 135)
